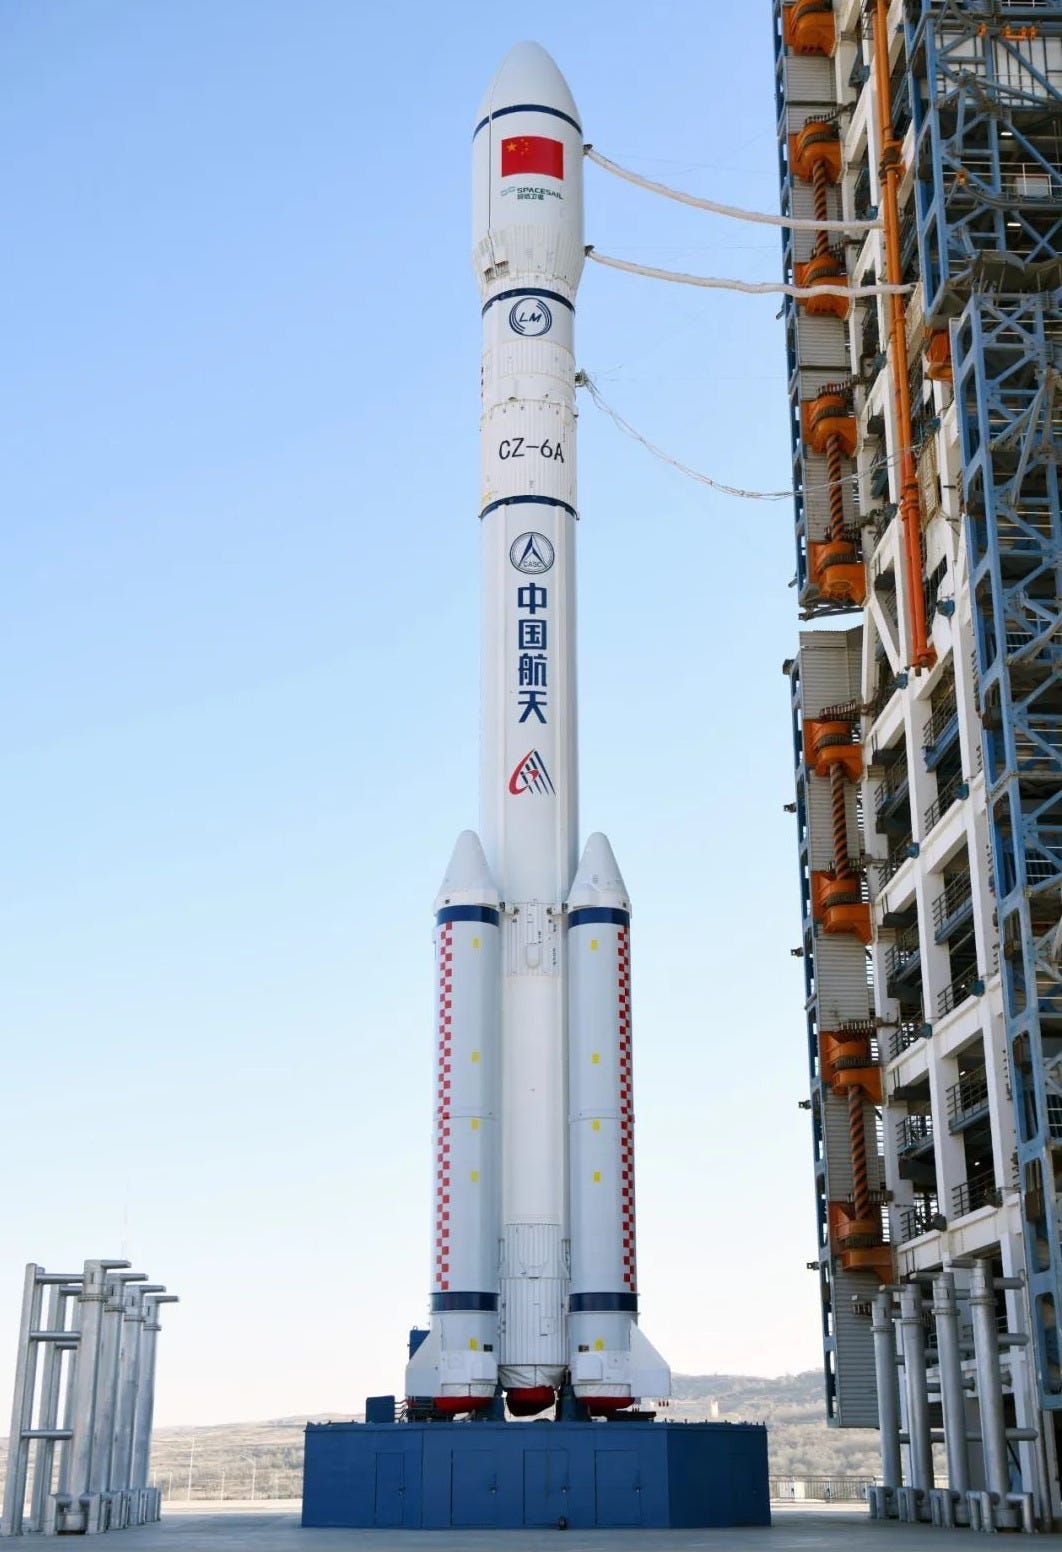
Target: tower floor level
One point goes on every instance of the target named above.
(533, 1260)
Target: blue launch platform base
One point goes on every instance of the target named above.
(504, 1475)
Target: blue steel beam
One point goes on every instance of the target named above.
(985, 86)
(1008, 367)
(985, 83)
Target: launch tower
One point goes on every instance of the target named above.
(927, 726)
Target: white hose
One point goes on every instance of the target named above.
(794, 223)
(749, 287)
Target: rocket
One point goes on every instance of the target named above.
(534, 1282)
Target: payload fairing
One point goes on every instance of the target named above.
(533, 1268)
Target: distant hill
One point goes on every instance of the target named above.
(799, 1441)
(228, 1460)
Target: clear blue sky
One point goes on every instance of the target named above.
(240, 681)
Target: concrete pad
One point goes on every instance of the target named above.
(794, 1530)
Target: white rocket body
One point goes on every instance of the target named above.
(533, 1270)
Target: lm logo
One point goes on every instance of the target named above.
(530, 317)
(531, 775)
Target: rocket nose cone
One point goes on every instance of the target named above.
(598, 880)
(467, 880)
(528, 76)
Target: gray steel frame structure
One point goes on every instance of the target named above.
(958, 836)
(989, 207)
(80, 1442)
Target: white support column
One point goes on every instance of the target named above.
(145, 1398)
(60, 1295)
(106, 1387)
(22, 1406)
(129, 1354)
(952, 1392)
(888, 1399)
(78, 1470)
(1035, 1471)
(914, 1368)
(989, 1379)
(65, 1459)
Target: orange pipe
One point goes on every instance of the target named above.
(842, 863)
(857, 1141)
(818, 183)
(835, 531)
(923, 655)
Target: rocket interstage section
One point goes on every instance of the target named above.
(534, 1256)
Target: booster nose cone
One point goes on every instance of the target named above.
(528, 76)
(467, 880)
(598, 880)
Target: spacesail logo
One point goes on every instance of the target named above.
(532, 776)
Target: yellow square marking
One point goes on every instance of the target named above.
(475, 1124)
(475, 1056)
(475, 943)
(595, 1126)
(593, 943)
(595, 1059)
(597, 1177)
(599, 1346)
(474, 1177)
(473, 1344)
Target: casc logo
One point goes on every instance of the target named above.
(531, 775)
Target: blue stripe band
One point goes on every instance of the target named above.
(588, 1303)
(598, 913)
(481, 913)
(526, 107)
(540, 501)
(550, 296)
(450, 1303)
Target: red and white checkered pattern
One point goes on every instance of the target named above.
(626, 1105)
(442, 1109)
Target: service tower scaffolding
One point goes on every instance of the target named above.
(927, 721)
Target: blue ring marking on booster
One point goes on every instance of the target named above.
(480, 913)
(586, 1303)
(541, 501)
(526, 107)
(585, 914)
(549, 296)
(443, 1303)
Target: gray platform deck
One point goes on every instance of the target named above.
(794, 1530)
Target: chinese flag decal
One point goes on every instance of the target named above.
(532, 154)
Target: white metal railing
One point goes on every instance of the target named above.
(785, 1489)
